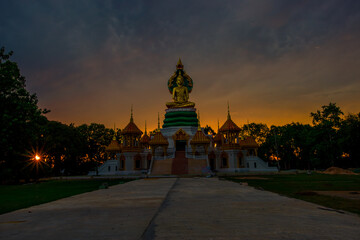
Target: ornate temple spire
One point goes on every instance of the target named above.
(114, 146)
(131, 116)
(229, 125)
(158, 122)
(145, 127)
(199, 126)
(145, 139)
(228, 117)
(179, 65)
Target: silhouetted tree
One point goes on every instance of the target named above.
(331, 141)
(208, 130)
(349, 141)
(326, 125)
(20, 119)
(257, 130)
(64, 147)
(97, 138)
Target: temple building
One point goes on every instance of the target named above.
(181, 147)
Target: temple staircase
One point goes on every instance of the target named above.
(179, 164)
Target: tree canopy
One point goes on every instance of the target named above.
(25, 131)
(20, 117)
(332, 141)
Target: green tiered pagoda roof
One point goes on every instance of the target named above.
(181, 118)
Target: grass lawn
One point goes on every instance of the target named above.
(13, 197)
(302, 186)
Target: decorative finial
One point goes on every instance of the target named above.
(229, 117)
(199, 127)
(145, 127)
(179, 65)
(131, 117)
(158, 121)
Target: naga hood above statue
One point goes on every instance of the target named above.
(180, 85)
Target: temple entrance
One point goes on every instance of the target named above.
(180, 145)
(180, 162)
(212, 161)
(212, 164)
(240, 157)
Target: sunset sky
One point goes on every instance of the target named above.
(275, 61)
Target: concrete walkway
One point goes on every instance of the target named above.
(185, 208)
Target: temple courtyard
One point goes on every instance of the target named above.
(179, 208)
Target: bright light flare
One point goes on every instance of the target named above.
(36, 159)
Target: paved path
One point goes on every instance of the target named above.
(185, 208)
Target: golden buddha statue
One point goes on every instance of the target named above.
(180, 95)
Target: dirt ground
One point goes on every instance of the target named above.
(355, 195)
(336, 170)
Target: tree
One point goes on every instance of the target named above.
(330, 115)
(349, 141)
(327, 123)
(290, 143)
(20, 118)
(257, 130)
(208, 130)
(278, 145)
(64, 148)
(97, 137)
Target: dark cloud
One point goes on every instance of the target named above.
(96, 57)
